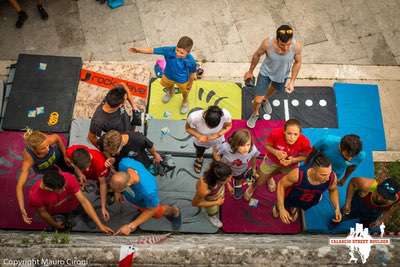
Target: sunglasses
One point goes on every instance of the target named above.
(286, 31)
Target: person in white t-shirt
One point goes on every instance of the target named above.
(208, 128)
(237, 153)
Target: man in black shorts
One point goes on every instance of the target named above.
(111, 114)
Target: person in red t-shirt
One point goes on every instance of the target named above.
(286, 147)
(90, 164)
(59, 193)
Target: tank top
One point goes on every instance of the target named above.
(365, 209)
(216, 192)
(305, 194)
(47, 162)
(276, 66)
(367, 200)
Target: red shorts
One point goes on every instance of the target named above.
(160, 210)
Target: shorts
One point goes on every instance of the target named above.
(267, 167)
(213, 210)
(263, 83)
(167, 83)
(159, 212)
(297, 203)
(200, 150)
(247, 174)
(361, 211)
(240, 177)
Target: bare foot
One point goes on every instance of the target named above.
(249, 192)
(271, 185)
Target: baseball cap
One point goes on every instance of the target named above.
(389, 188)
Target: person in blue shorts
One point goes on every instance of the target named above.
(180, 69)
(139, 187)
(303, 188)
(282, 56)
(345, 153)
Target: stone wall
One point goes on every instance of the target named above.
(192, 250)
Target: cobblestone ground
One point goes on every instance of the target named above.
(335, 31)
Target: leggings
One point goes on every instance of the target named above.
(200, 150)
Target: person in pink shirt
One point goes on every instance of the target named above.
(285, 148)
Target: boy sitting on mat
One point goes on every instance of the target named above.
(42, 153)
(345, 154)
(303, 188)
(210, 190)
(91, 164)
(208, 128)
(237, 153)
(180, 68)
(111, 114)
(59, 193)
(285, 149)
(139, 187)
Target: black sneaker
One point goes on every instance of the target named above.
(42, 12)
(110, 198)
(237, 192)
(22, 16)
(176, 222)
(66, 220)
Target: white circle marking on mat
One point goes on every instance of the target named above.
(295, 102)
(267, 117)
(309, 103)
(276, 103)
(323, 103)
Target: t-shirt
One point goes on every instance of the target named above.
(196, 121)
(97, 168)
(238, 162)
(276, 139)
(56, 203)
(136, 149)
(145, 193)
(103, 122)
(330, 147)
(176, 69)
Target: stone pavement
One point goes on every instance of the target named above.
(194, 250)
(334, 31)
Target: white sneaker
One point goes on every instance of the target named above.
(214, 220)
(166, 98)
(184, 108)
(266, 106)
(251, 122)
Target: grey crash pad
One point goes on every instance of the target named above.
(194, 220)
(176, 141)
(120, 213)
(182, 178)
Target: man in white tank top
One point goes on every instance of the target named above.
(282, 53)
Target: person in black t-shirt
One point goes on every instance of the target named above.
(111, 114)
(133, 144)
